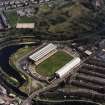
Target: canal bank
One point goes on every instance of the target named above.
(5, 53)
(7, 70)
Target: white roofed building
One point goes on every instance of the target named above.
(88, 52)
(68, 67)
(43, 53)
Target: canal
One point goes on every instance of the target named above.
(5, 53)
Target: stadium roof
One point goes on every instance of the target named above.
(42, 52)
(68, 67)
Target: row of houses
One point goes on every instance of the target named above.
(9, 4)
(13, 4)
(95, 3)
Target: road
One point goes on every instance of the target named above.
(36, 93)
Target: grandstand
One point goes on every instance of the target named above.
(68, 67)
(43, 53)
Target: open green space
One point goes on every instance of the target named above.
(25, 19)
(30, 86)
(53, 63)
(12, 18)
(21, 52)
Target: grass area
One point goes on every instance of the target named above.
(61, 27)
(53, 63)
(76, 10)
(25, 19)
(13, 81)
(68, 18)
(9, 79)
(30, 86)
(12, 18)
(44, 8)
(26, 86)
(20, 53)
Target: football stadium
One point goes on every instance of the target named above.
(50, 60)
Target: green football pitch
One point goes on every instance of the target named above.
(53, 63)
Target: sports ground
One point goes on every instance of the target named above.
(53, 63)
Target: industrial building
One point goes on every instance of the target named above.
(68, 67)
(43, 53)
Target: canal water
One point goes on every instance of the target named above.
(4, 62)
(5, 53)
